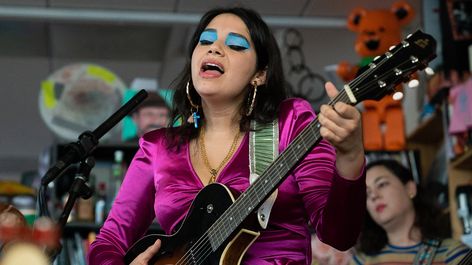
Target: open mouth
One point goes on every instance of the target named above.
(212, 67)
(372, 44)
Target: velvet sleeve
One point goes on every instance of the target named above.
(335, 205)
(132, 211)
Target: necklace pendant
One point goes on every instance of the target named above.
(213, 173)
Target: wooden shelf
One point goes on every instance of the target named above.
(429, 131)
(457, 177)
(460, 174)
(464, 161)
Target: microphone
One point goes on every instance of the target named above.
(88, 140)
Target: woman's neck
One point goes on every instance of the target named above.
(404, 233)
(404, 238)
(221, 119)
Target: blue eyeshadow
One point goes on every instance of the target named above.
(237, 40)
(208, 36)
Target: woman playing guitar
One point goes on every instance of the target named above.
(234, 76)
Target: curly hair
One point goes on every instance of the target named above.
(373, 237)
(269, 96)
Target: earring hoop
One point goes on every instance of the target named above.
(253, 101)
(195, 117)
(187, 89)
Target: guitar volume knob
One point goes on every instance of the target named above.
(210, 208)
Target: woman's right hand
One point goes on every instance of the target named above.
(143, 258)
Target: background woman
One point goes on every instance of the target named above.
(401, 222)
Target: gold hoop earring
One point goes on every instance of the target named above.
(195, 117)
(253, 101)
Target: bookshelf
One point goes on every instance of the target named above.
(427, 138)
(463, 162)
(460, 174)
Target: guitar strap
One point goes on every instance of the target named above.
(426, 252)
(263, 149)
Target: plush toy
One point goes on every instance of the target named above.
(378, 30)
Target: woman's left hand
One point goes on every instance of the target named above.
(341, 126)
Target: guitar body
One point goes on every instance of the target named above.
(209, 204)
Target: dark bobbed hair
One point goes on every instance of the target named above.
(373, 238)
(269, 96)
(153, 100)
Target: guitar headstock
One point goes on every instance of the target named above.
(395, 66)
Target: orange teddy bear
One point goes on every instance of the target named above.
(377, 31)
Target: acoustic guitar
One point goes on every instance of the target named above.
(218, 227)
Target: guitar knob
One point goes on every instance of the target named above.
(210, 208)
(262, 217)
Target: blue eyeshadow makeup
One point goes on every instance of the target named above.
(233, 40)
(237, 41)
(208, 36)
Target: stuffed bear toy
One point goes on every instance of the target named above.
(378, 30)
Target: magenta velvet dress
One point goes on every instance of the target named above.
(162, 184)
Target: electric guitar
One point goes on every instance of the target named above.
(220, 226)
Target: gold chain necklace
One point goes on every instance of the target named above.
(214, 171)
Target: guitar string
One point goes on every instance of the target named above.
(208, 251)
(316, 136)
(397, 49)
(198, 246)
(333, 102)
(204, 255)
(373, 82)
(200, 243)
(368, 83)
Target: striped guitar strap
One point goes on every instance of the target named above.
(263, 149)
(426, 252)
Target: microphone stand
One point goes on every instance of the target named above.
(81, 151)
(79, 188)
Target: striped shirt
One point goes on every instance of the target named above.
(450, 252)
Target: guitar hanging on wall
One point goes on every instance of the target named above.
(218, 227)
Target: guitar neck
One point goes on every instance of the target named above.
(270, 179)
